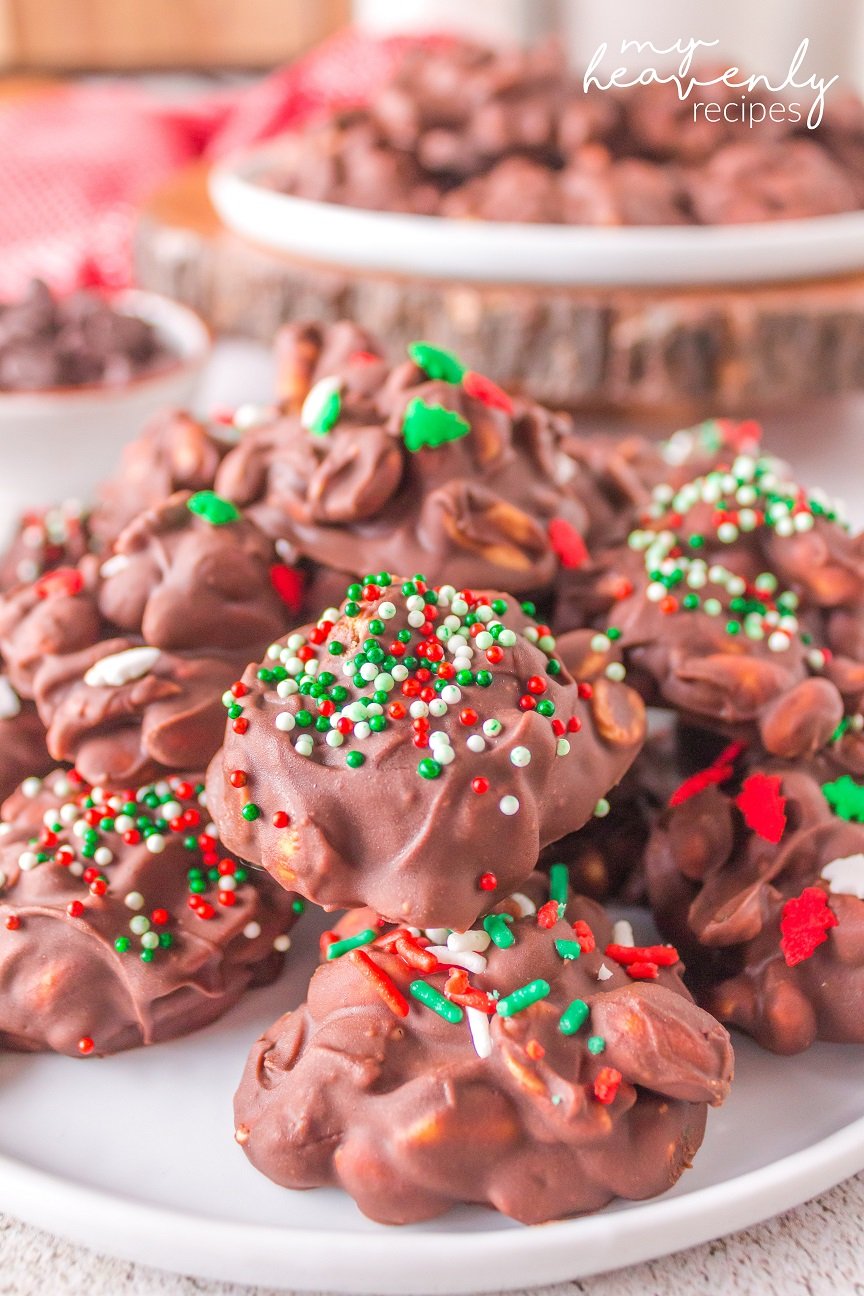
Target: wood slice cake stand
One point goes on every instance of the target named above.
(687, 351)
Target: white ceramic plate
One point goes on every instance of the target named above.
(486, 251)
(134, 1156)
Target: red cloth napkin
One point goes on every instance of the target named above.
(75, 163)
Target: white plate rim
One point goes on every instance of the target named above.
(405, 1263)
(503, 252)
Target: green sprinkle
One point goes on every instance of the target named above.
(523, 998)
(340, 947)
(559, 883)
(568, 949)
(429, 768)
(250, 811)
(327, 414)
(436, 362)
(213, 508)
(431, 426)
(298, 906)
(846, 798)
(434, 999)
(121, 944)
(497, 927)
(573, 1017)
(596, 1044)
(355, 759)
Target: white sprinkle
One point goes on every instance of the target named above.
(437, 707)
(475, 743)
(113, 566)
(282, 943)
(470, 960)
(31, 787)
(103, 856)
(481, 1036)
(525, 906)
(451, 694)
(475, 939)
(444, 755)
(155, 843)
(845, 876)
(603, 973)
(27, 861)
(416, 619)
(285, 721)
(134, 900)
(520, 757)
(303, 745)
(778, 641)
(252, 930)
(386, 611)
(334, 738)
(438, 935)
(562, 747)
(509, 805)
(492, 728)
(227, 882)
(362, 730)
(622, 933)
(399, 672)
(418, 710)
(122, 668)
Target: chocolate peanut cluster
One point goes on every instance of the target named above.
(756, 870)
(468, 132)
(532, 1063)
(48, 342)
(126, 656)
(123, 921)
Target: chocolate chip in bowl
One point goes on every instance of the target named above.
(78, 377)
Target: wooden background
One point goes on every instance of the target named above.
(83, 35)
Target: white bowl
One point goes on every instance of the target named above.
(58, 444)
(478, 251)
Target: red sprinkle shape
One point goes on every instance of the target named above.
(288, 584)
(383, 984)
(804, 924)
(85, 1045)
(64, 580)
(488, 882)
(659, 955)
(607, 1084)
(568, 545)
(458, 991)
(763, 806)
(584, 936)
(719, 771)
(486, 391)
(547, 914)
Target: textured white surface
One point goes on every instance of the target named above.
(807, 1252)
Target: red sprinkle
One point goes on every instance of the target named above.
(488, 882)
(535, 1050)
(85, 1045)
(486, 391)
(240, 725)
(458, 991)
(643, 971)
(547, 914)
(584, 936)
(480, 784)
(237, 778)
(763, 806)
(415, 955)
(660, 955)
(238, 690)
(64, 580)
(607, 1084)
(160, 917)
(281, 819)
(288, 584)
(567, 544)
(719, 771)
(804, 923)
(536, 684)
(385, 986)
(75, 909)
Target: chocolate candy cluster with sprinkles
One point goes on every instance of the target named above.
(537, 1062)
(126, 655)
(382, 755)
(123, 920)
(756, 871)
(739, 601)
(423, 465)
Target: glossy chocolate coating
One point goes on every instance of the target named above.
(67, 986)
(719, 888)
(382, 832)
(184, 602)
(475, 510)
(406, 1116)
